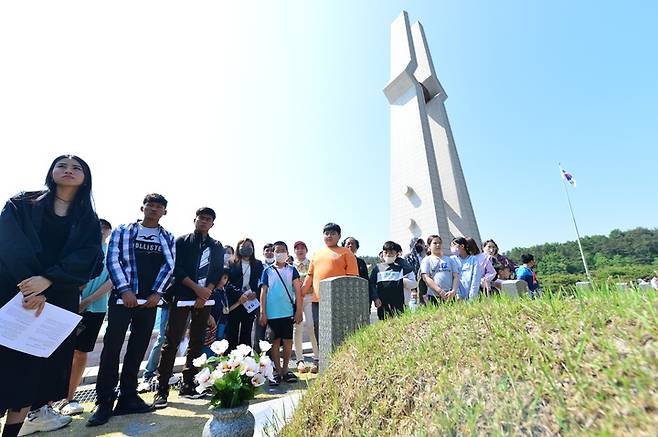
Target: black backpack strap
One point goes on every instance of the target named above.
(284, 285)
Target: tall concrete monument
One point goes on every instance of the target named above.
(428, 190)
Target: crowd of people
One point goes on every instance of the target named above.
(54, 248)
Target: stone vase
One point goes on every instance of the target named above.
(233, 422)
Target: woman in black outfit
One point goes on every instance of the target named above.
(50, 245)
(243, 278)
(353, 244)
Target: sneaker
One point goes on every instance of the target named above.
(301, 367)
(100, 415)
(314, 367)
(43, 419)
(160, 401)
(290, 378)
(190, 393)
(132, 405)
(65, 420)
(72, 408)
(175, 379)
(145, 385)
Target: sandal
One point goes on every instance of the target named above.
(290, 378)
(314, 367)
(301, 367)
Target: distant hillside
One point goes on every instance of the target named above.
(636, 247)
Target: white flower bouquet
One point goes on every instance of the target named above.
(235, 378)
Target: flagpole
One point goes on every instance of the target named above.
(575, 225)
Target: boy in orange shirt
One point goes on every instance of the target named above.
(329, 262)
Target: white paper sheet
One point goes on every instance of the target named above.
(251, 305)
(21, 330)
(190, 303)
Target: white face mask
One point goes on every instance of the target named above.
(269, 260)
(227, 257)
(389, 259)
(280, 257)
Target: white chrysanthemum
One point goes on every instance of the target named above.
(203, 376)
(258, 380)
(268, 371)
(219, 347)
(243, 350)
(264, 346)
(200, 361)
(235, 361)
(248, 367)
(264, 361)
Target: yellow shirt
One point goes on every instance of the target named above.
(329, 263)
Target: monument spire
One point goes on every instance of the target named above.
(428, 189)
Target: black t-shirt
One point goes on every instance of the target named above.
(148, 252)
(53, 234)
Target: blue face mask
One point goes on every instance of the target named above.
(454, 250)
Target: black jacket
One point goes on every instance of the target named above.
(20, 245)
(363, 268)
(188, 255)
(235, 279)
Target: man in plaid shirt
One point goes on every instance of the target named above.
(140, 260)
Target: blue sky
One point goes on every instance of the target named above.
(274, 114)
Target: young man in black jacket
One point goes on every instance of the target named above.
(199, 264)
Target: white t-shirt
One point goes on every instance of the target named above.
(441, 270)
(246, 274)
(204, 266)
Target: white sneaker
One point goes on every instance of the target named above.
(144, 386)
(43, 419)
(72, 408)
(174, 379)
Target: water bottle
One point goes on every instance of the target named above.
(413, 304)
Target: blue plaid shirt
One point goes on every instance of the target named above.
(122, 262)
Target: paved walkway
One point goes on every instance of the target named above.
(184, 417)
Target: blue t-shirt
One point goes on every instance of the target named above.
(278, 304)
(440, 269)
(526, 274)
(100, 306)
(469, 276)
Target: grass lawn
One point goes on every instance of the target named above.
(560, 365)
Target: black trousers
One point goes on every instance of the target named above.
(315, 308)
(119, 317)
(259, 332)
(392, 304)
(174, 334)
(238, 328)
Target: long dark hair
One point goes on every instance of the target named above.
(473, 246)
(82, 205)
(237, 258)
(492, 242)
(461, 241)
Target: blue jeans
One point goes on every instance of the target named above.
(154, 356)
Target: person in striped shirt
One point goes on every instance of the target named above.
(140, 260)
(388, 281)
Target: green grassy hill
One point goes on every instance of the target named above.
(561, 365)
